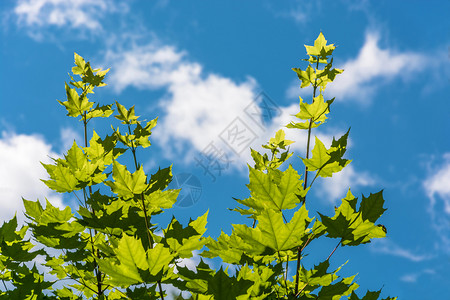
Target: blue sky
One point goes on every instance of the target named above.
(200, 66)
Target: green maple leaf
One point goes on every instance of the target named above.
(102, 151)
(185, 240)
(332, 167)
(338, 147)
(158, 200)
(80, 65)
(126, 116)
(348, 205)
(327, 161)
(335, 291)
(62, 179)
(33, 210)
(250, 240)
(316, 111)
(85, 171)
(75, 158)
(363, 231)
(132, 258)
(372, 206)
(125, 184)
(272, 233)
(261, 161)
(161, 179)
(337, 227)
(53, 214)
(253, 211)
(356, 227)
(222, 248)
(308, 77)
(283, 236)
(141, 293)
(74, 104)
(370, 295)
(142, 134)
(95, 149)
(56, 265)
(278, 141)
(19, 251)
(109, 222)
(327, 75)
(263, 278)
(94, 77)
(225, 287)
(209, 282)
(320, 47)
(29, 284)
(320, 156)
(100, 112)
(267, 193)
(318, 276)
(196, 282)
(8, 230)
(158, 258)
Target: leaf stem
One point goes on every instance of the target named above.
(287, 268)
(76, 196)
(334, 249)
(296, 295)
(299, 257)
(4, 284)
(305, 183)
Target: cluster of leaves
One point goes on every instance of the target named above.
(110, 249)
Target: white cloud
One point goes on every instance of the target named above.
(67, 136)
(413, 277)
(73, 14)
(386, 246)
(437, 188)
(438, 184)
(21, 171)
(190, 263)
(199, 108)
(148, 67)
(336, 187)
(299, 11)
(410, 278)
(372, 68)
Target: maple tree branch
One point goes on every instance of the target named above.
(146, 218)
(98, 273)
(305, 183)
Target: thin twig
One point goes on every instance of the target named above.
(307, 241)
